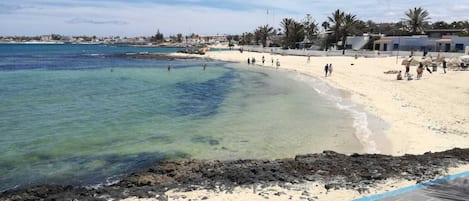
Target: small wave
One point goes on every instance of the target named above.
(93, 55)
(360, 118)
(108, 182)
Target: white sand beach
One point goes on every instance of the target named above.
(431, 114)
(424, 115)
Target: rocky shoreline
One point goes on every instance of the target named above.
(336, 171)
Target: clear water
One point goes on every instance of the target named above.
(70, 115)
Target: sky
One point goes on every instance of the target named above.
(145, 17)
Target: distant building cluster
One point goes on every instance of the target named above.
(142, 40)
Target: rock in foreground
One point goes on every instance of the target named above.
(335, 170)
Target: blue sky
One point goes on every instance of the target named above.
(144, 17)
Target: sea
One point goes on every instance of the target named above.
(80, 115)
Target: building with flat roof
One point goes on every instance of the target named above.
(448, 43)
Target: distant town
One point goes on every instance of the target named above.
(156, 40)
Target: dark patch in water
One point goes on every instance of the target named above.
(203, 99)
(160, 139)
(205, 140)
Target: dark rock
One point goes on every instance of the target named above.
(358, 172)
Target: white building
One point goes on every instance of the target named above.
(407, 43)
(356, 42)
(449, 43)
(452, 44)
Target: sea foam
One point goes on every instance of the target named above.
(360, 118)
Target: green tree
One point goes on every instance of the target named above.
(349, 24)
(417, 20)
(297, 33)
(344, 25)
(179, 38)
(293, 32)
(310, 28)
(246, 38)
(336, 19)
(56, 37)
(158, 37)
(440, 25)
(286, 24)
(262, 33)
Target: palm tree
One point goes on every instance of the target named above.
(417, 20)
(343, 25)
(349, 24)
(337, 20)
(297, 33)
(286, 24)
(311, 30)
(263, 33)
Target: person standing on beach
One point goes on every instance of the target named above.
(309, 59)
(330, 69)
(444, 66)
(272, 62)
(326, 69)
(249, 61)
(253, 61)
(419, 71)
(263, 60)
(278, 63)
(407, 69)
(169, 67)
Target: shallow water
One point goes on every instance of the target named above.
(67, 116)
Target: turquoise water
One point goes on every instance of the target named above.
(70, 115)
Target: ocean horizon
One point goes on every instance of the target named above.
(76, 114)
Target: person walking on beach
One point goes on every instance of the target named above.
(249, 61)
(444, 66)
(263, 60)
(253, 61)
(278, 63)
(330, 69)
(272, 62)
(326, 69)
(419, 71)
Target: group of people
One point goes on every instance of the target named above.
(328, 69)
(253, 61)
(420, 69)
